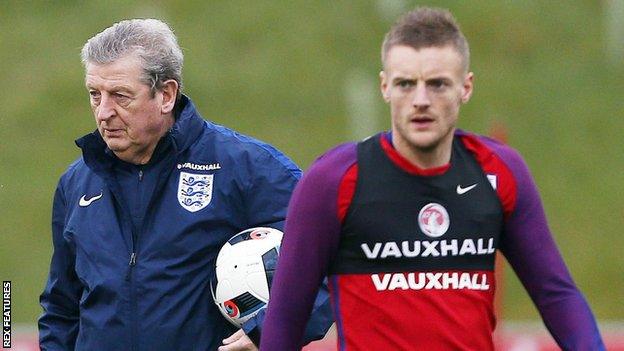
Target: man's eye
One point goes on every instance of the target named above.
(437, 83)
(94, 96)
(405, 83)
(122, 99)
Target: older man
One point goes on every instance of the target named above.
(134, 249)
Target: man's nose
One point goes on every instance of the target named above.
(421, 96)
(106, 108)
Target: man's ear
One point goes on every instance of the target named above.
(383, 86)
(467, 87)
(169, 93)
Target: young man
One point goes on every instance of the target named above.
(406, 223)
(139, 219)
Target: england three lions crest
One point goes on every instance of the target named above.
(195, 190)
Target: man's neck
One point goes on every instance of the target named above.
(426, 158)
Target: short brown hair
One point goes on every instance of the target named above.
(427, 27)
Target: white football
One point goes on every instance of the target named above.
(244, 272)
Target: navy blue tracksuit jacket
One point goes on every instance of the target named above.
(135, 246)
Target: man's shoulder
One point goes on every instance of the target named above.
(233, 140)
(77, 168)
(345, 153)
(332, 165)
(225, 143)
(496, 158)
(484, 147)
(76, 178)
(218, 141)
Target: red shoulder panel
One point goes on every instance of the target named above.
(346, 190)
(497, 171)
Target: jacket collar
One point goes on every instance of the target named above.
(188, 126)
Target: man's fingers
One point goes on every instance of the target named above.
(230, 339)
(238, 342)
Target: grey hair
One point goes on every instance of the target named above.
(151, 40)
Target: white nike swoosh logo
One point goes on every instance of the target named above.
(86, 202)
(461, 191)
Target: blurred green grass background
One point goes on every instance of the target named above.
(279, 71)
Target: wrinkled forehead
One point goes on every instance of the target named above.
(115, 76)
(446, 50)
(427, 61)
(127, 69)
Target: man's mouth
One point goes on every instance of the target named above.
(422, 121)
(112, 132)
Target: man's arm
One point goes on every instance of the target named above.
(275, 178)
(530, 249)
(58, 325)
(311, 239)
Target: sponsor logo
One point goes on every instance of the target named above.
(462, 191)
(199, 167)
(430, 281)
(195, 190)
(416, 248)
(433, 220)
(6, 314)
(84, 202)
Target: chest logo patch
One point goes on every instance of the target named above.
(433, 220)
(195, 190)
(84, 202)
(493, 180)
(462, 191)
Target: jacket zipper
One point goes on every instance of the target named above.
(131, 264)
